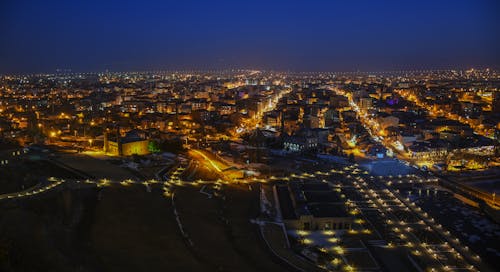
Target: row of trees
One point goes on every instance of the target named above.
(173, 145)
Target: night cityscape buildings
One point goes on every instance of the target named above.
(248, 169)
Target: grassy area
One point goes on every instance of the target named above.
(129, 229)
(241, 205)
(221, 231)
(47, 234)
(97, 168)
(24, 174)
(136, 231)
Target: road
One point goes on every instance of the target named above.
(369, 123)
(470, 192)
(210, 161)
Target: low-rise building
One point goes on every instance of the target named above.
(132, 144)
(312, 206)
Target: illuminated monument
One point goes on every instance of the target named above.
(132, 143)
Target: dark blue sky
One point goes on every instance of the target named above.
(307, 35)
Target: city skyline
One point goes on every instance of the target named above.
(285, 171)
(279, 135)
(286, 36)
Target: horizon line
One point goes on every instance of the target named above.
(232, 70)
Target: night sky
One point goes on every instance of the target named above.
(307, 35)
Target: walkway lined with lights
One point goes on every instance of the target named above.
(173, 180)
(375, 195)
(405, 232)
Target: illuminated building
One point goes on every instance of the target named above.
(300, 143)
(365, 103)
(129, 145)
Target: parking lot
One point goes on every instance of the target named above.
(393, 216)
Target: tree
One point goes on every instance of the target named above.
(351, 157)
(153, 147)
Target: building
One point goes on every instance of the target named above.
(132, 144)
(378, 151)
(297, 143)
(432, 150)
(365, 103)
(312, 206)
(272, 119)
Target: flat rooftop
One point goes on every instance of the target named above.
(328, 210)
(322, 197)
(315, 186)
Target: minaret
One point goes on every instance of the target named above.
(106, 144)
(118, 142)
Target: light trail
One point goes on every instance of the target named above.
(208, 159)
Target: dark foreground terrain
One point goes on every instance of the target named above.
(127, 228)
